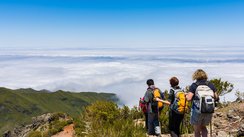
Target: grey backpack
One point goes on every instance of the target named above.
(205, 101)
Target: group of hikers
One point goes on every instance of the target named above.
(202, 94)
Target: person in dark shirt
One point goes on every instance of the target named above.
(175, 118)
(200, 120)
(153, 115)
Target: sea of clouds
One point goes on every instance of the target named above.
(122, 71)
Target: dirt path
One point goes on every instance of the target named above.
(68, 131)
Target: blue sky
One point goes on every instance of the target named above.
(120, 23)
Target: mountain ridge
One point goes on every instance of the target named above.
(19, 105)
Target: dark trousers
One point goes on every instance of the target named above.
(175, 120)
(146, 120)
(153, 121)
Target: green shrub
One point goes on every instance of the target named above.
(56, 116)
(35, 134)
(53, 131)
(57, 124)
(222, 87)
(102, 111)
(79, 126)
(106, 119)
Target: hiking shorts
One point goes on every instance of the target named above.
(198, 118)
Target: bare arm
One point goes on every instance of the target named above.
(163, 101)
(189, 96)
(216, 97)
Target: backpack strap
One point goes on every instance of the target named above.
(205, 83)
(176, 90)
(171, 96)
(194, 106)
(151, 99)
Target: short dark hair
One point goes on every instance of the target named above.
(150, 82)
(174, 81)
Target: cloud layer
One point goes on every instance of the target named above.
(121, 71)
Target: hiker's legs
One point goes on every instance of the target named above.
(196, 122)
(151, 124)
(172, 134)
(174, 123)
(204, 131)
(206, 120)
(146, 120)
(156, 124)
(197, 130)
(171, 124)
(178, 120)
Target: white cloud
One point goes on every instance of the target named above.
(123, 72)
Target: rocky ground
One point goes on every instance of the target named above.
(67, 132)
(228, 121)
(24, 130)
(41, 123)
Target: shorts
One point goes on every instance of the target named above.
(198, 118)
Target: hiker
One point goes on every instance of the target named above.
(202, 93)
(154, 108)
(175, 117)
(178, 106)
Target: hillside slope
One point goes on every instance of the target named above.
(18, 106)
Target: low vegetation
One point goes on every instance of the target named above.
(104, 118)
(100, 118)
(57, 122)
(17, 107)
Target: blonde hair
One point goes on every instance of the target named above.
(199, 74)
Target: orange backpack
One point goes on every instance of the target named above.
(180, 104)
(158, 94)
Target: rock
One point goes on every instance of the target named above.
(234, 131)
(222, 134)
(219, 114)
(236, 117)
(1, 107)
(230, 114)
(23, 130)
(43, 118)
(242, 127)
(7, 134)
(216, 125)
(240, 133)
